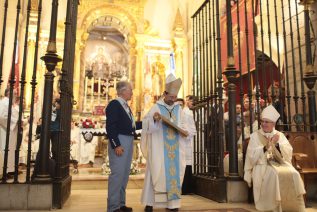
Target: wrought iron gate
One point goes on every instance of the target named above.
(13, 111)
(252, 53)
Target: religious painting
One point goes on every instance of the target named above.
(106, 62)
(158, 78)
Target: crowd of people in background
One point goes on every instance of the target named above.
(86, 155)
(247, 115)
(169, 154)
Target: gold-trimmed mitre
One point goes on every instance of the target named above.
(172, 85)
(270, 113)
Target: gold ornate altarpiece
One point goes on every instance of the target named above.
(146, 49)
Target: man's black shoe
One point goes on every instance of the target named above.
(148, 208)
(126, 209)
(117, 210)
(173, 209)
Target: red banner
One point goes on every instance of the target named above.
(246, 40)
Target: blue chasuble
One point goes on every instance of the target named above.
(171, 153)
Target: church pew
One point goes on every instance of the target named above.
(305, 158)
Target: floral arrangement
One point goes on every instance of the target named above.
(88, 123)
(106, 167)
(134, 169)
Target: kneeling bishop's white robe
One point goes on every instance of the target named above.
(152, 146)
(277, 185)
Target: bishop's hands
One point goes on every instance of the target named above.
(275, 139)
(156, 117)
(272, 142)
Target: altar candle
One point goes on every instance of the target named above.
(92, 92)
(85, 95)
(99, 90)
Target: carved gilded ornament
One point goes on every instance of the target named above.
(148, 30)
(93, 10)
(132, 41)
(135, 4)
(84, 36)
(128, 17)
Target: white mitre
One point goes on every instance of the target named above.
(172, 85)
(270, 113)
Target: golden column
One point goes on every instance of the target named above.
(178, 45)
(80, 75)
(138, 81)
(132, 70)
(29, 72)
(77, 71)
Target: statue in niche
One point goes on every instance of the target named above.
(100, 65)
(118, 66)
(158, 78)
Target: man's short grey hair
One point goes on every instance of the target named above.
(122, 85)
